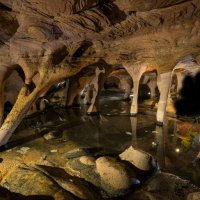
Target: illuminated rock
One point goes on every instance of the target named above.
(138, 158)
(113, 175)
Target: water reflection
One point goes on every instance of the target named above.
(134, 131)
(175, 146)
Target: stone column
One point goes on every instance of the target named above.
(163, 82)
(180, 77)
(97, 84)
(136, 73)
(152, 84)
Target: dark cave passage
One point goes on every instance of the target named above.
(188, 104)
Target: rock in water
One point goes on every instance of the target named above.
(138, 158)
(87, 160)
(114, 177)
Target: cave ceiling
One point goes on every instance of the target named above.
(158, 33)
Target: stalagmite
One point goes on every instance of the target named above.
(163, 83)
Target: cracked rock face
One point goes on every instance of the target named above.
(54, 40)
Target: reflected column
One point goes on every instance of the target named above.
(134, 131)
(160, 143)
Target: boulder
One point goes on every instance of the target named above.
(138, 158)
(114, 176)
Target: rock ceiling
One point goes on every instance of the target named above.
(156, 32)
(57, 38)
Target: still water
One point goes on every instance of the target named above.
(175, 146)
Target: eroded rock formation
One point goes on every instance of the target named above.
(55, 39)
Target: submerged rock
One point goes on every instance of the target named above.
(109, 175)
(88, 172)
(138, 158)
(114, 176)
(84, 151)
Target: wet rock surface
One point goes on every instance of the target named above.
(53, 176)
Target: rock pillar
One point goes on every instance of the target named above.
(97, 84)
(180, 77)
(163, 82)
(136, 73)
